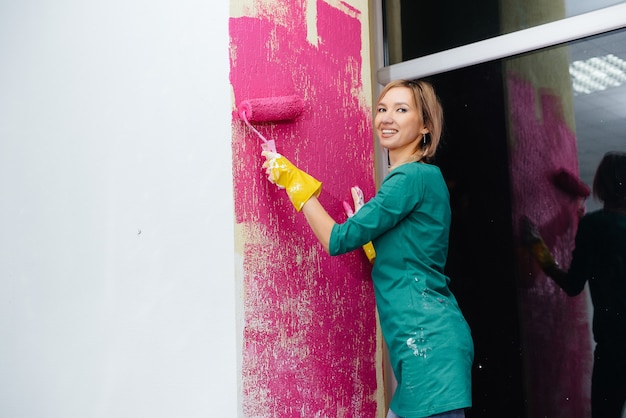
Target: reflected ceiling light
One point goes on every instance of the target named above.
(596, 74)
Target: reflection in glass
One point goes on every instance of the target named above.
(600, 115)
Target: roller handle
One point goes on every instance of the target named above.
(268, 144)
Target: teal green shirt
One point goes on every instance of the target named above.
(430, 344)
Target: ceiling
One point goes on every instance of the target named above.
(600, 117)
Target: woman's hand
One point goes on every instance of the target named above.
(299, 185)
(359, 201)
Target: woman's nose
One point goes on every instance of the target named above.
(386, 118)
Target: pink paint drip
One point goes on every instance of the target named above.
(309, 339)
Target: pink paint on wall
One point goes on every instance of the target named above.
(557, 337)
(309, 326)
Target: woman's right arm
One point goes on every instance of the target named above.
(319, 220)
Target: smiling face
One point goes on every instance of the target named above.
(399, 123)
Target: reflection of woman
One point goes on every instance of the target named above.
(599, 258)
(429, 341)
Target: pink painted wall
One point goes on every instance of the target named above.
(557, 337)
(309, 328)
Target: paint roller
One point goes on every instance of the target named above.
(269, 109)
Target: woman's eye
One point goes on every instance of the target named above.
(381, 110)
(402, 110)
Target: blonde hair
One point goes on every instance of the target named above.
(429, 106)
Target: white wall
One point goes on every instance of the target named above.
(116, 221)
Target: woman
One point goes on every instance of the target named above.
(430, 345)
(599, 258)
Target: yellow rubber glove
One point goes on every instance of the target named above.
(370, 252)
(359, 201)
(537, 246)
(542, 254)
(299, 185)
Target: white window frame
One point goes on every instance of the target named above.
(503, 46)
